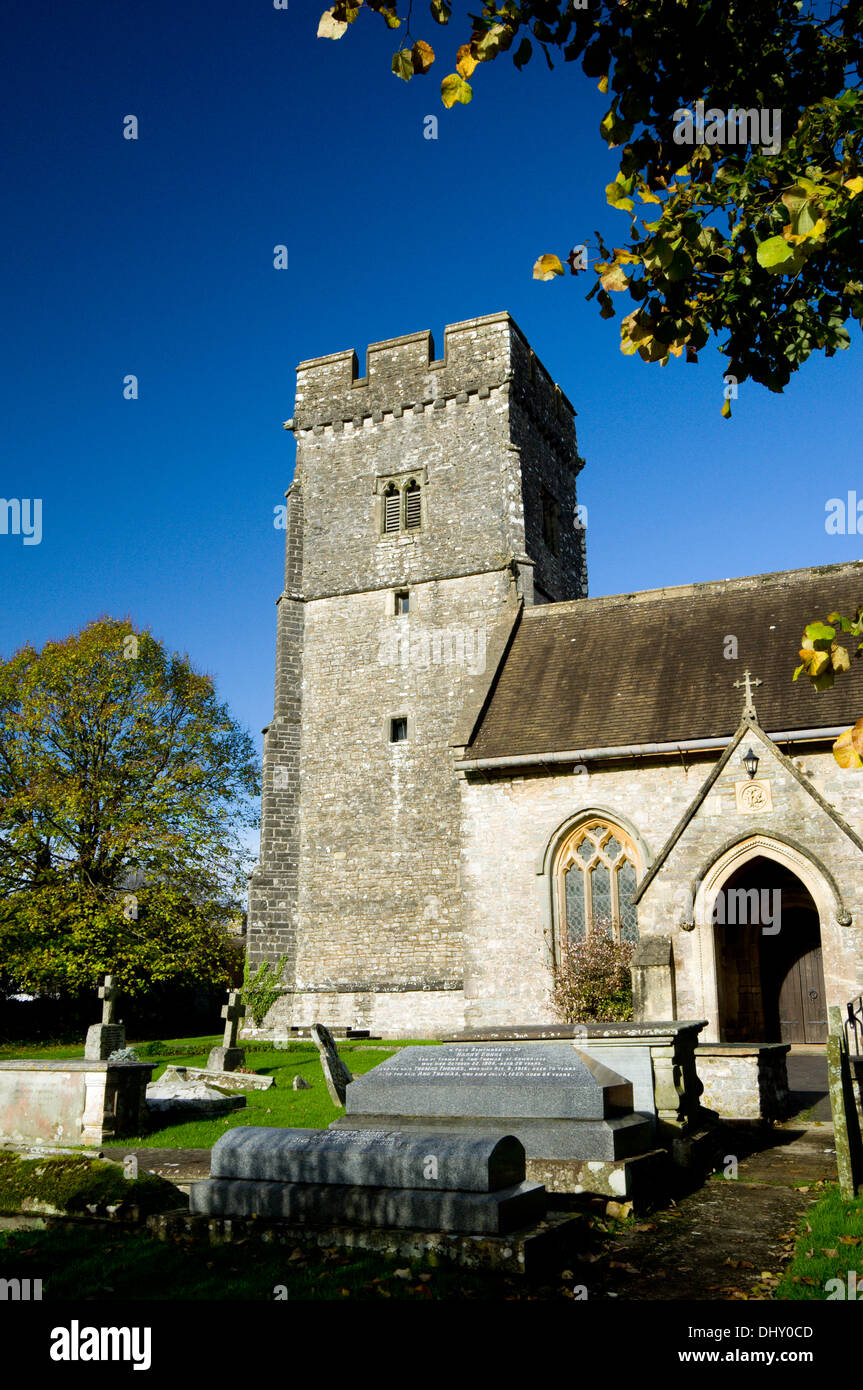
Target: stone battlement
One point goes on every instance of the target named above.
(481, 355)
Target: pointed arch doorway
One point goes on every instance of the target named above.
(767, 942)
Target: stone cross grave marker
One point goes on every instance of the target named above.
(229, 1056)
(108, 993)
(233, 1012)
(109, 1035)
(336, 1074)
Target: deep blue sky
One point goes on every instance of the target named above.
(155, 257)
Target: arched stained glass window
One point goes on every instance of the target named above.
(597, 875)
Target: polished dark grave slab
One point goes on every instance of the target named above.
(560, 1103)
(479, 1213)
(370, 1158)
(492, 1080)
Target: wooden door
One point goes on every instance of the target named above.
(802, 1003)
(740, 999)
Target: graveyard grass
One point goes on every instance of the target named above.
(829, 1245)
(281, 1105)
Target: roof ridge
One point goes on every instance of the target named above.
(696, 588)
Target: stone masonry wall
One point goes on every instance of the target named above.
(511, 825)
(273, 887)
(370, 916)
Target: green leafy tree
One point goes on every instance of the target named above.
(824, 655)
(758, 244)
(124, 786)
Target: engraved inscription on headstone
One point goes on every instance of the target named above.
(507, 1079)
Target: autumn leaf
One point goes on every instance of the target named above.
(453, 89)
(646, 195)
(614, 279)
(845, 753)
(521, 56)
(330, 27)
(854, 186)
(465, 62)
(441, 11)
(726, 409)
(494, 40)
(774, 253)
(617, 194)
(819, 632)
(422, 56)
(403, 64)
(547, 266)
(839, 658)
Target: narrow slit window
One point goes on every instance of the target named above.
(403, 602)
(398, 730)
(412, 506)
(550, 514)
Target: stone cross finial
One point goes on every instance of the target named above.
(748, 705)
(108, 993)
(234, 1012)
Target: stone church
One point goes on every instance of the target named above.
(471, 761)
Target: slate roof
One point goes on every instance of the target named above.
(649, 667)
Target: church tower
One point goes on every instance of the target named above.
(431, 499)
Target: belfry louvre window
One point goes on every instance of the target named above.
(596, 878)
(412, 506)
(402, 505)
(392, 508)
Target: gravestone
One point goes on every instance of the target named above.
(229, 1056)
(468, 1183)
(574, 1116)
(79, 1101)
(177, 1100)
(557, 1101)
(222, 1080)
(109, 1035)
(336, 1074)
(301, 1084)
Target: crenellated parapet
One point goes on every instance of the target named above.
(482, 356)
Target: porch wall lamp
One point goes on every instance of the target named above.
(750, 762)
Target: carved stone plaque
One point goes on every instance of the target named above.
(754, 795)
